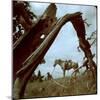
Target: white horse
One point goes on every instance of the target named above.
(67, 65)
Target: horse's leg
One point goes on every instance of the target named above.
(75, 74)
(64, 72)
(73, 78)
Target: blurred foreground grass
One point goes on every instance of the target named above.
(82, 85)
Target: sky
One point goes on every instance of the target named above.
(66, 43)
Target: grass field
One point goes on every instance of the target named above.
(82, 85)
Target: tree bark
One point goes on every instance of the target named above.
(29, 66)
(31, 50)
(30, 42)
(78, 24)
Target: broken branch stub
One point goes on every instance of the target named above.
(32, 40)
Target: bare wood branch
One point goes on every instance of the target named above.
(31, 63)
(30, 41)
(45, 43)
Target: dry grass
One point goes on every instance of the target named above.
(83, 85)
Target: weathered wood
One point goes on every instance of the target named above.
(31, 50)
(85, 64)
(78, 24)
(49, 13)
(32, 62)
(36, 53)
(32, 40)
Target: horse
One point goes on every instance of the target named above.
(67, 65)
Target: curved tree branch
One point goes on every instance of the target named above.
(27, 64)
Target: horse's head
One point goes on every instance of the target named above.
(57, 61)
